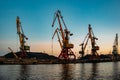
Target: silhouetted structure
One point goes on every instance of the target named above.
(90, 35)
(115, 48)
(23, 47)
(66, 52)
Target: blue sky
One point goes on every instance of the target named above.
(37, 16)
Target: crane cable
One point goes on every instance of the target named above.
(52, 43)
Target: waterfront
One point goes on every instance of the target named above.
(86, 71)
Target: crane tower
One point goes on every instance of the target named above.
(93, 39)
(22, 39)
(66, 52)
(115, 46)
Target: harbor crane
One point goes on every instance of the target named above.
(22, 39)
(115, 47)
(93, 39)
(63, 38)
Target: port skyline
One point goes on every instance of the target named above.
(37, 16)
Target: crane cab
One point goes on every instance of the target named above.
(69, 46)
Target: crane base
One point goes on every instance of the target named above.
(67, 54)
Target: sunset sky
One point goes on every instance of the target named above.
(37, 16)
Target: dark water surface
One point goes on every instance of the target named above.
(86, 71)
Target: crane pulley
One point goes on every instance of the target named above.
(66, 51)
(90, 36)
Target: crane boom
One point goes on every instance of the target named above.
(86, 41)
(56, 32)
(13, 52)
(58, 15)
(20, 32)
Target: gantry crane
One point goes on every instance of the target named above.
(90, 36)
(66, 52)
(115, 46)
(23, 47)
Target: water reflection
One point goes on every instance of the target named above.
(24, 72)
(115, 72)
(82, 72)
(86, 71)
(94, 71)
(67, 71)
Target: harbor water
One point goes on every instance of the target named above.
(80, 71)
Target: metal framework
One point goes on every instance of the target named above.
(93, 39)
(115, 46)
(66, 52)
(22, 39)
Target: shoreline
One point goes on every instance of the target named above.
(29, 61)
